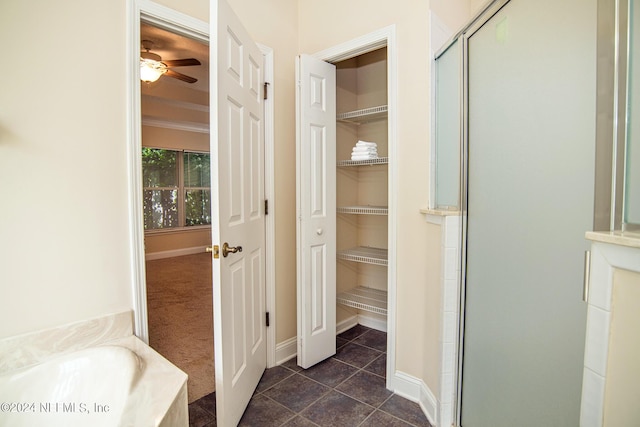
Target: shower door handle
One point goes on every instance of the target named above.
(587, 276)
(226, 249)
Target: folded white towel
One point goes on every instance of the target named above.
(364, 149)
(366, 144)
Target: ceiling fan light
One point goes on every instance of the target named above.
(151, 70)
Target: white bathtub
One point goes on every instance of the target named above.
(90, 387)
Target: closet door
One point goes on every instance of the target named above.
(316, 206)
(530, 200)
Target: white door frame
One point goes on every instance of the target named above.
(180, 23)
(378, 39)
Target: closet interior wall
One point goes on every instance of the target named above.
(361, 83)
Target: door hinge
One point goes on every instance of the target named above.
(266, 84)
(267, 319)
(266, 207)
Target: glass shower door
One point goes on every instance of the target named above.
(531, 139)
(447, 133)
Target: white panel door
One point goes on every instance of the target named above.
(316, 209)
(237, 163)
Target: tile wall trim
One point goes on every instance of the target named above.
(449, 316)
(605, 258)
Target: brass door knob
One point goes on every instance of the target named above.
(226, 249)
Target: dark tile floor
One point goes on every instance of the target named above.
(346, 390)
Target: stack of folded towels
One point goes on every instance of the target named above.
(364, 151)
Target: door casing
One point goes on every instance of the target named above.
(384, 37)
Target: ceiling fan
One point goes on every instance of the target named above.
(152, 67)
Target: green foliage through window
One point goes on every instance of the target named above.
(177, 188)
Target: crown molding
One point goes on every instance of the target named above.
(176, 103)
(175, 124)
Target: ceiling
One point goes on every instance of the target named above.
(174, 46)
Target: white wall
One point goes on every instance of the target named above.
(64, 238)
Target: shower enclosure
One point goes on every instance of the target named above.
(516, 132)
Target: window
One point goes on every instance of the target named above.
(177, 188)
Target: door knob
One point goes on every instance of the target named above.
(226, 249)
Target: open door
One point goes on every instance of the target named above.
(237, 163)
(316, 208)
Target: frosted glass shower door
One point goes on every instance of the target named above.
(448, 128)
(531, 142)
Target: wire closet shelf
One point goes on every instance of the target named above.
(364, 298)
(363, 210)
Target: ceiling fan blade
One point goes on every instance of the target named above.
(187, 62)
(180, 76)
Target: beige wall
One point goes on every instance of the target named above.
(322, 27)
(64, 236)
(174, 139)
(454, 13)
(623, 367)
(174, 240)
(195, 8)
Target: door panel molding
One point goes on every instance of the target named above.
(315, 204)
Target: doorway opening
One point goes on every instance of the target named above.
(365, 70)
(176, 205)
(192, 30)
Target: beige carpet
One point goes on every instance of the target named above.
(180, 305)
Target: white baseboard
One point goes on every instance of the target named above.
(346, 324)
(417, 391)
(364, 320)
(175, 253)
(286, 350)
(372, 322)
